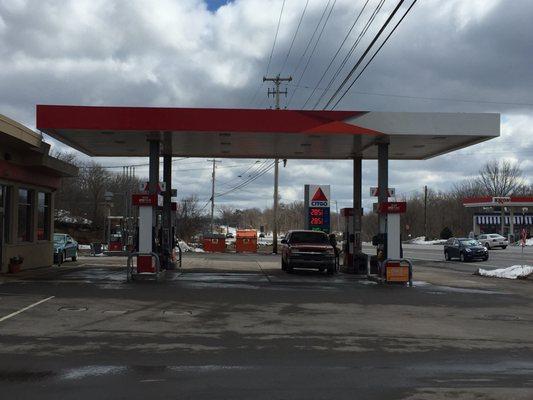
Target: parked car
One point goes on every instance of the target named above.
(307, 249)
(492, 240)
(465, 249)
(64, 247)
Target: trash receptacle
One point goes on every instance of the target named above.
(96, 248)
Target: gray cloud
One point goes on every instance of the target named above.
(181, 53)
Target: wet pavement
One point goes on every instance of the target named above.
(236, 326)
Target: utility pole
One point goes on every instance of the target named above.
(275, 93)
(213, 195)
(426, 212)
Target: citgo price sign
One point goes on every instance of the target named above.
(317, 211)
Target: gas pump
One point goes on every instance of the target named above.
(348, 237)
(116, 235)
(148, 246)
(392, 267)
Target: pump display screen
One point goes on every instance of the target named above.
(319, 219)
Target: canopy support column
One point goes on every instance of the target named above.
(153, 182)
(167, 211)
(383, 188)
(358, 261)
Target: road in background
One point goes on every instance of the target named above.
(498, 258)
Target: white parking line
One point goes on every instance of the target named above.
(25, 308)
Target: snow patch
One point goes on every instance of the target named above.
(422, 240)
(514, 272)
(64, 216)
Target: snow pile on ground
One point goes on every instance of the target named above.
(64, 216)
(422, 240)
(514, 272)
(529, 242)
(186, 248)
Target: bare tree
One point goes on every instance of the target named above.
(500, 178)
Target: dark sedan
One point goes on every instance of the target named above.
(307, 249)
(465, 249)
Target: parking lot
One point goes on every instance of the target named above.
(236, 326)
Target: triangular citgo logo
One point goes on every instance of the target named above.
(319, 196)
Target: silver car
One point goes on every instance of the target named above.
(492, 240)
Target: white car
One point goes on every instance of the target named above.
(492, 240)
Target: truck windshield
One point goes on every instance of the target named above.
(309, 237)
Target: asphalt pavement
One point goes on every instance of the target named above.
(235, 326)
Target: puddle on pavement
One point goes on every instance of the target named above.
(72, 309)
(25, 376)
(177, 313)
(115, 312)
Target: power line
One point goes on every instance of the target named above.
(294, 37)
(247, 182)
(351, 51)
(336, 53)
(271, 53)
(312, 37)
(314, 47)
(420, 97)
(239, 176)
(260, 172)
(275, 38)
(375, 54)
(360, 60)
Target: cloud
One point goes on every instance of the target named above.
(459, 55)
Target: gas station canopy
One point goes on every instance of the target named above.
(251, 133)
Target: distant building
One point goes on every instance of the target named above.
(29, 176)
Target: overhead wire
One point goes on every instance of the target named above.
(240, 176)
(311, 39)
(248, 181)
(294, 38)
(315, 45)
(341, 66)
(376, 53)
(362, 57)
(271, 53)
(250, 177)
(336, 53)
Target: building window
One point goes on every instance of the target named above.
(24, 214)
(43, 216)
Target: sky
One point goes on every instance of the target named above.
(453, 56)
